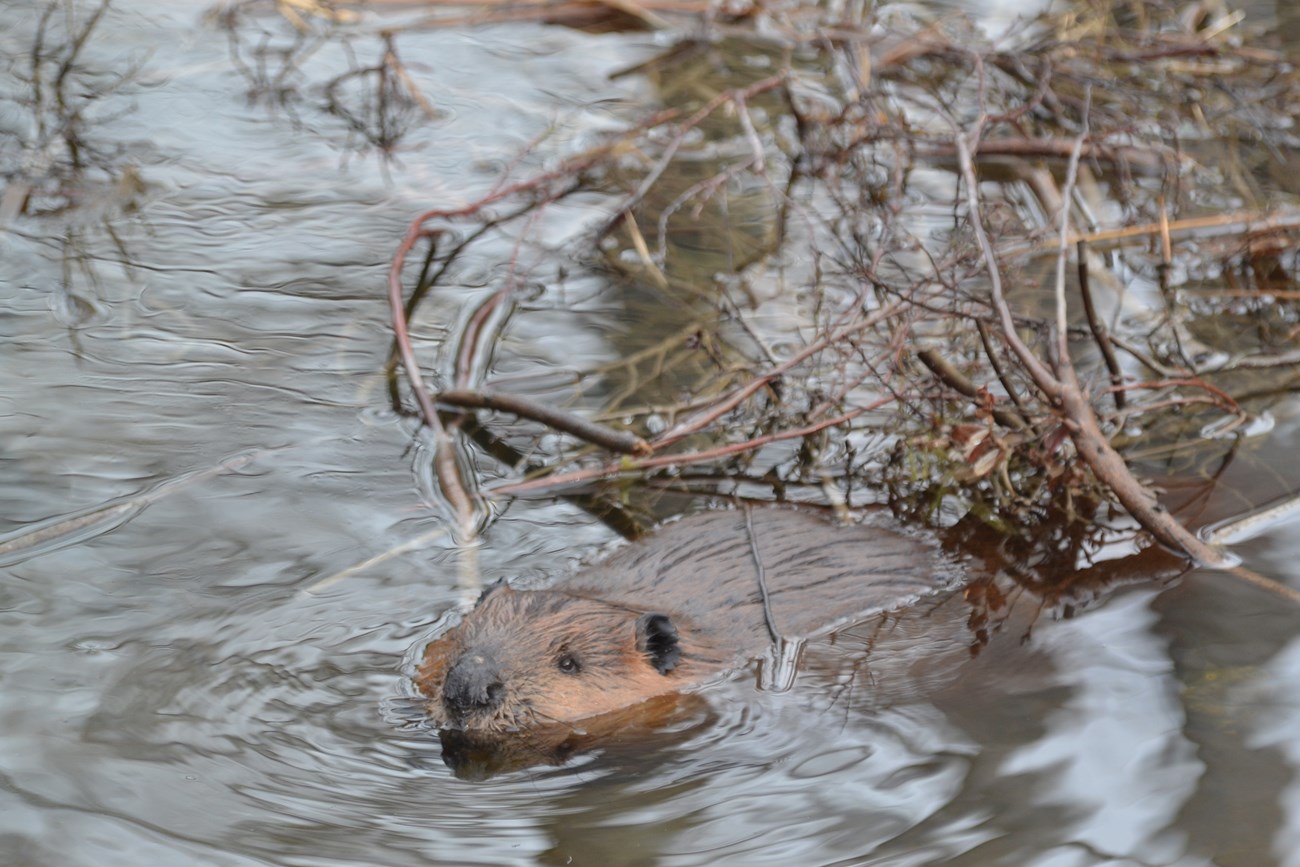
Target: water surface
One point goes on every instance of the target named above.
(177, 687)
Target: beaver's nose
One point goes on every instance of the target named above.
(473, 685)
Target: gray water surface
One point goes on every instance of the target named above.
(177, 687)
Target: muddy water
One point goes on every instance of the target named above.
(177, 686)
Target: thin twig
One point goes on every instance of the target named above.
(469, 340)
(955, 379)
(731, 401)
(761, 574)
(1099, 328)
(1001, 372)
(637, 465)
(624, 442)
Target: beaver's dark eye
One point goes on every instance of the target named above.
(568, 663)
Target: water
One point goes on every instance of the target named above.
(173, 690)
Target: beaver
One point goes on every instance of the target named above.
(686, 605)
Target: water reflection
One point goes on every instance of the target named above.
(169, 696)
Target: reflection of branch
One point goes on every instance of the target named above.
(376, 102)
(446, 467)
(736, 97)
(418, 228)
(45, 536)
(469, 340)
(444, 459)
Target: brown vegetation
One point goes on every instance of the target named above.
(994, 253)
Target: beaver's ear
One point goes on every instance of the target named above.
(656, 637)
(499, 584)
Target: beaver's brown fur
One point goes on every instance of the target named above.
(664, 614)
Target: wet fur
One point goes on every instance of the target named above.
(701, 574)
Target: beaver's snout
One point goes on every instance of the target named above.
(473, 686)
(524, 659)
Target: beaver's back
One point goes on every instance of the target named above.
(704, 571)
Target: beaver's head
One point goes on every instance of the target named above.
(522, 659)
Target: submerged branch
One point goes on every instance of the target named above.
(597, 434)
